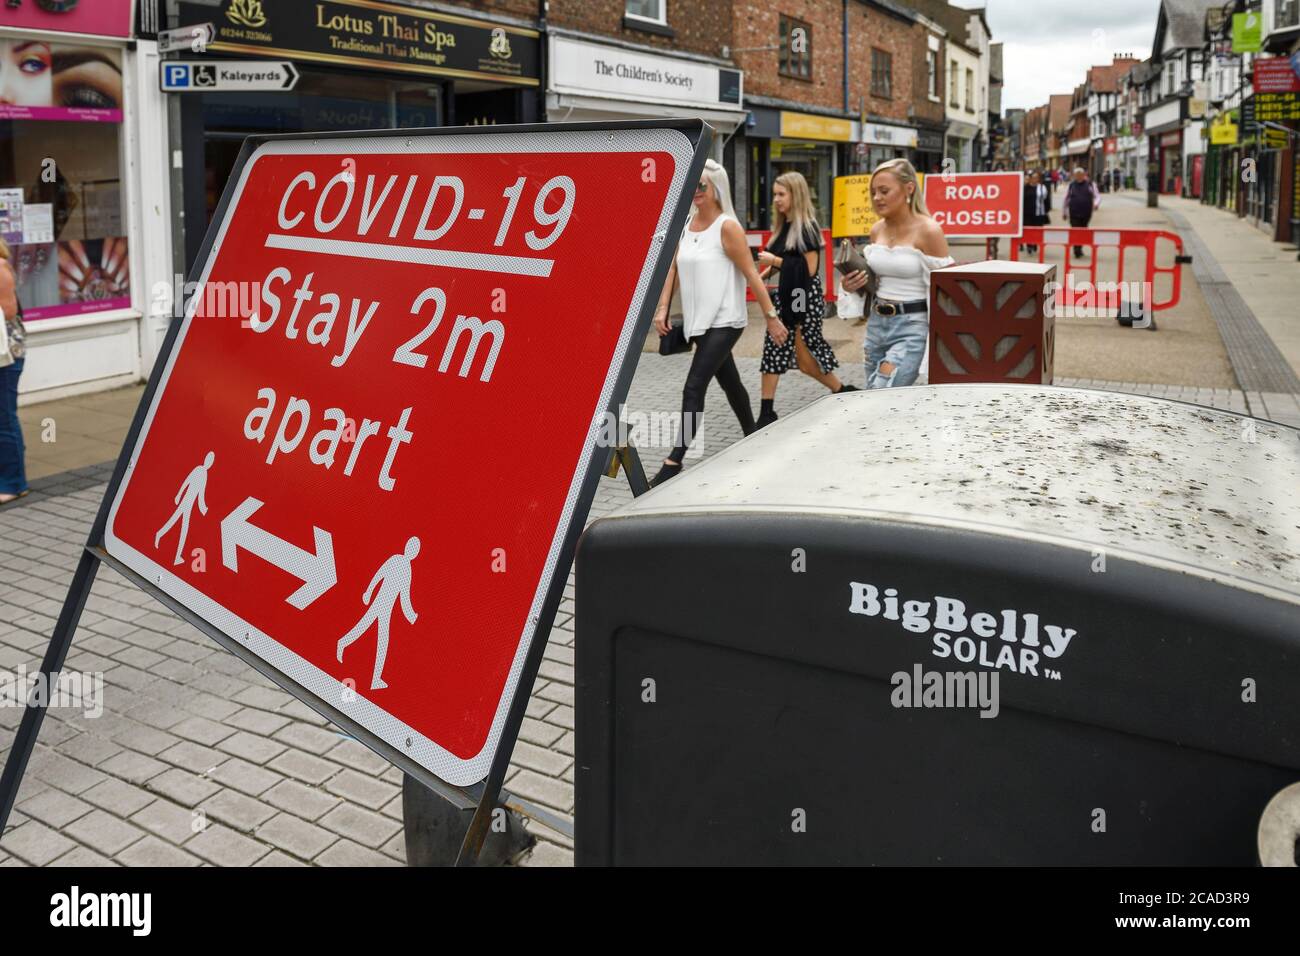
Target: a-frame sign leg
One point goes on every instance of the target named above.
(55, 654)
(626, 457)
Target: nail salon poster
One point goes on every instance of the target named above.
(43, 80)
(105, 18)
(72, 277)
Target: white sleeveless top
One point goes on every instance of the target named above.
(903, 271)
(713, 289)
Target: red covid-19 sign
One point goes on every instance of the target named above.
(370, 436)
(976, 204)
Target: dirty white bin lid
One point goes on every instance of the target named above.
(1190, 488)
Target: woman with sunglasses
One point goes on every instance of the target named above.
(713, 263)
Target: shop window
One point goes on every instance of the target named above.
(932, 71)
(882, 73)
(796, 49)
(952, 83)
(61, 208)
(652, 10)
(970, 91)
(1287, 14)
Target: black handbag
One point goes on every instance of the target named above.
(675, 342)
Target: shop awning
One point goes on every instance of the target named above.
(565, 107)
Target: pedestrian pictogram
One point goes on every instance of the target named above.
(190, 495)
(393, 579)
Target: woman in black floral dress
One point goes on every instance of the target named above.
(796, 250)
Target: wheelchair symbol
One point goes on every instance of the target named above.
(205, 74)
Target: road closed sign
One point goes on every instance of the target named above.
(372, 440)
(976, 204)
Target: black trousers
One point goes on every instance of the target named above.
(712, 359)
(1080, 222)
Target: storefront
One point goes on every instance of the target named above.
(782, 141)
(1165, 133)
(593, 81)
(71, 189)
(878, 142)
(1261, 194)
(960, 145)
(363, 65)
(928, 155)
(1272, 115)
(1167, 154)
(1077, 153)
(1222, 162)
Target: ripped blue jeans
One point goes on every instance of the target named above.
(900, 341)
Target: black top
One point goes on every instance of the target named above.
(794, 272)
(1030, 203)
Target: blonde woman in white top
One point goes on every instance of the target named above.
(906, 246)
(713, 264)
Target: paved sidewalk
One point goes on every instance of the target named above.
(198, 759)
(75, 432)
(1264, 273)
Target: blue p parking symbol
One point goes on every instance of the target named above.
(176, 75)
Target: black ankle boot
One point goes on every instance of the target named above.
(665, 472)
(767, 417)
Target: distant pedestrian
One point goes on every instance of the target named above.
(713, 264)
(796, 251)
(1036, 202)
(1081, 198)
(906, 246)
(13, 472)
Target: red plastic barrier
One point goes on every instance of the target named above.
(759, 238)
(1094, 239)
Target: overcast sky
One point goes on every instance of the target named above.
(1049, 45)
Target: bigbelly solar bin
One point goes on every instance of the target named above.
(966, 624)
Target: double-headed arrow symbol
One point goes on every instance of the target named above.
(316, 571)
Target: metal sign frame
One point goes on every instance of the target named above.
(484, 795)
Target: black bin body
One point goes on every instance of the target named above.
(1136, 566)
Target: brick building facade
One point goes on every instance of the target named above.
(822, 87)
